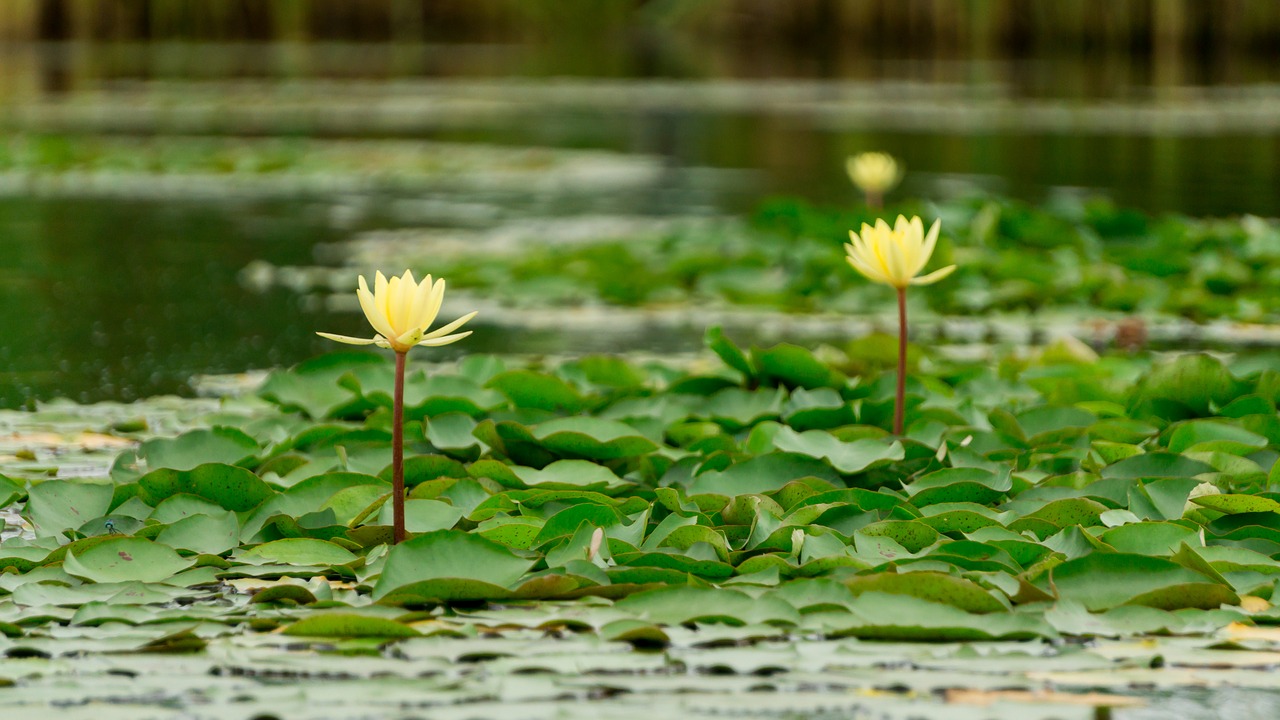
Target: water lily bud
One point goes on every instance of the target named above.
(597, 537)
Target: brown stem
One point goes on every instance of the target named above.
(875, 200)
(900, 397)
(397, 452)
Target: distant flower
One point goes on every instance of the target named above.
(875, 173)
(401, 310)
(895, 256)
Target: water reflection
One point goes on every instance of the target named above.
(118, 300)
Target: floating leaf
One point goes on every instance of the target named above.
(57, 505)
(198, 447)
(125, 560)
(1105, 580)
(678, 605)
(848, 458)
(932, 586)
(449, 555)
(299, 551)
(348, 625)
(232, 488)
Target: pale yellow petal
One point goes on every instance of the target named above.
(914, 233)
(369, 304)
(394, 305)
(861, 248)
(348, 340)
(893, 251)
(433, 305)
(404, 302)
(380, 293)
(868, 271)
(878, 243)
(934, 276)
(446, 329)
(421, 301)
(447, 339)
(930, 241)
(409, 338)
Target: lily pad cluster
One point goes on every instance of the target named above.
(1011, 257)
(1052, 497)
(752, 499)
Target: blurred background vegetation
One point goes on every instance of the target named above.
(920, 28)
(152, 150)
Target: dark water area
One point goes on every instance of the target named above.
(118, 300)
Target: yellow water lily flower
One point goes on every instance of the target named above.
(895, 256)
(401, 309)
(874, 172)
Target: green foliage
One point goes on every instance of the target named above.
(623, 503)
(1011, 258)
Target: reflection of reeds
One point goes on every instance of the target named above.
(921, 26)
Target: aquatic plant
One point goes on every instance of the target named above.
(895, 256)
(401, 310)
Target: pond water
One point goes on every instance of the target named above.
(124, 294)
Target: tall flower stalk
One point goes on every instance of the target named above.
(895, 256)
(400, 310)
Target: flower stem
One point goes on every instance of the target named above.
(397, 453)
(875, 200)
(901, 394)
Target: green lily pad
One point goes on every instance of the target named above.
(1100, 581)
(592, 438)
(231, 487)
(848, 458)
(57, 505)
(450, 555)
(198, 447)
(932, 586)
(126, 559)
(349, 625)
(298, 551)
(678, 605)
(950, 485)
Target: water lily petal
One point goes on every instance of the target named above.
(913, 240)
(437, 342)
(369, 304)
(446, 329)
(403, 319)
(934, 276)
(348, 340)
(432, 308)
(380, 286)
(867, 271)
(421, 301)
(930, 241)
